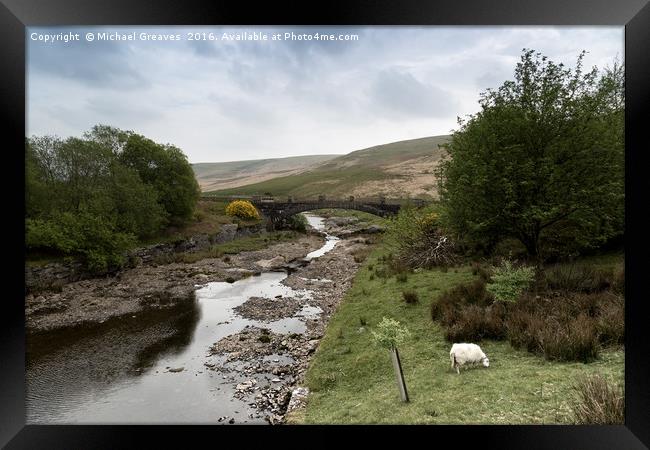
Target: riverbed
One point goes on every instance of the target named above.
(122, 372)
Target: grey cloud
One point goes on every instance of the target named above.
(97, 64)
(269, 99)
(400, 93)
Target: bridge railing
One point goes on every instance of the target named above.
(320, 199)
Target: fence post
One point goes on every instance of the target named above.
(397, 365)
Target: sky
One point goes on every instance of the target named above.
(230, 100)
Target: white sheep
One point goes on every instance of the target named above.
(462, 354)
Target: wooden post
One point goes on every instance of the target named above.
(397, 365)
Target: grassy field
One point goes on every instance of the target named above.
(352, 381)
(212, 176)
(311, 184)
(380, 170)
(364, 218)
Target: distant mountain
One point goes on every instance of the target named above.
(225, 175)
(398, 169)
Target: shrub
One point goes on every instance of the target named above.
(509, 282)
(93, 238)
(297, 222)
(473, 323)
(480, 270)
(598, 402)
(577, 278)
(618, 283)
(402, 277)
(418, 241)
(242, 209)
(610, 323)
(523, 328)
(456, 297)
(569, 341)
(265, 338)
(410, 296)
(390, 333)
(361, 254)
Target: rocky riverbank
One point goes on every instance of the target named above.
(147, 286)
(258, 348)
(273, 364)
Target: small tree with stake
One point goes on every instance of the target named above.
(390, 333)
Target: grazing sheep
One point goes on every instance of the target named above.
(462, 354)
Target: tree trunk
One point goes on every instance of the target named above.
(531, 242)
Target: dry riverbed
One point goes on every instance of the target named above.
(134, 291)
(273, 364)
(261, 366)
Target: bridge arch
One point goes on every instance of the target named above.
(275, 212)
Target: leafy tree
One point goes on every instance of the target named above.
(109, 137)
(93, 197)
(166, 168)
(542, 160)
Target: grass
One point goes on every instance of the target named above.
(208, 218)
(352, 380)
(245, 244)
(336, 182)
(364, 218)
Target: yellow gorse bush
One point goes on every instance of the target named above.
(429, 220)
(242, 209)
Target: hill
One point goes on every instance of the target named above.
(225, 175)
(398, 169)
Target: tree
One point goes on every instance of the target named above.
(390, 333)
(542, 159)
(166, 168)
(83, 200)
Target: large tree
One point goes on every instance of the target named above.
(542, 161)
(166, 168)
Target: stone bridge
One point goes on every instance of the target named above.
(276, 210)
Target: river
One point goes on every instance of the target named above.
(121, 372)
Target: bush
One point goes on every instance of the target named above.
(418, 241)
(483, 272)
(242, 209)
(402, 277)
(575, 340)
(297, 222)
(509, 282)
(390, 333)
(577, 278)
(410, 296)
(611, 321)
(93, 238)
(474, 323)
(450, 301)
(598, 402)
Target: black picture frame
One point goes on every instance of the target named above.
(15, 15)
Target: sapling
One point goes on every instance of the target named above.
(390, 333)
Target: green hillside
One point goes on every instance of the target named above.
(402, 168)
(221, 175)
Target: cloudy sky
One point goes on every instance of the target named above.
(235, 100)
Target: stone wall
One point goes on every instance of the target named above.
(59, 273)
